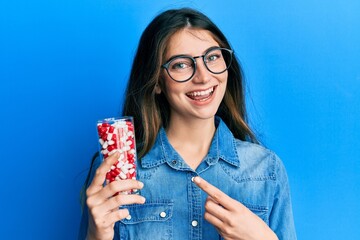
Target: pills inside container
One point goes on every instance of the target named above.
(117, 135)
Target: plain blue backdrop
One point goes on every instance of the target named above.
(64, 65)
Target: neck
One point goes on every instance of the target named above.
(196, 131)
(191, 139)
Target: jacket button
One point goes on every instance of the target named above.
(194, 223)
(163, 214)
(174, 162)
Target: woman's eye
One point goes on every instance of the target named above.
(213, 57)
(181, 65)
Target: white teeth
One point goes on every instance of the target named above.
(201, 93)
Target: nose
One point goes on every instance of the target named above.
(202, 74)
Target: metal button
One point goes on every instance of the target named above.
(163, 214)
(174, 162)
(194, 223)
(128, 217)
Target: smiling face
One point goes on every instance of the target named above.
(200, 97)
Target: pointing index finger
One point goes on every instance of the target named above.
(216, 194)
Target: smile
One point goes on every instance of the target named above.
(201, 95)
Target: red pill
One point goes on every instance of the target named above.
(111, 129)
(114, 137)
(103, 129)
(108, 176)
(116, 171)
(104, 136)
(113, 174)
(130, 175)
(111, 147)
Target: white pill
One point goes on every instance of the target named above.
(122, 175)
(120, 164)
(109, 136)
(124, 170)
(105, 151)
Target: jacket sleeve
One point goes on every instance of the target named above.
(95, 163)
(281, 219)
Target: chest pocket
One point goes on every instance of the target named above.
(151, 220)
(260, 211)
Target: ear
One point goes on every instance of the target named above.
(157, 89)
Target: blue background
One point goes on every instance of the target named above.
(64, 65)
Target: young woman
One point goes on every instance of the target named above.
(201, 173)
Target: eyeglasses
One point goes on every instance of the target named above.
(182, 68)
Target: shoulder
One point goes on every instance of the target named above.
(257, 161)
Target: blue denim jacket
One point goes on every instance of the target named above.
(174, 206)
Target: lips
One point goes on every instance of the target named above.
(201, 95)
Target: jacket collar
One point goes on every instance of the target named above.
(222, 147)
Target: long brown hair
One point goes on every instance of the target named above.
(151, 110)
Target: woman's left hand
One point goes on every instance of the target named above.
(231, 218)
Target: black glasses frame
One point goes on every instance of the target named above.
(166, 65)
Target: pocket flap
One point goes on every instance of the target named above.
(260, 211)
(160, 210)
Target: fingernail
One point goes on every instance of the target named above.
(196, 179)
(141, 185)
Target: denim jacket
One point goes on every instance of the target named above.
(174, 207)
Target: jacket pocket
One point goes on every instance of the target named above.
(151, 220)
(260, 211)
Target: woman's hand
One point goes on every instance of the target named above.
(231, 218)
(103, 205)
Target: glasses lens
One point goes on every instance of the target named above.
(218, 60)
(181, 68)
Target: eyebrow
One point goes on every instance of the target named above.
(186, 55)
